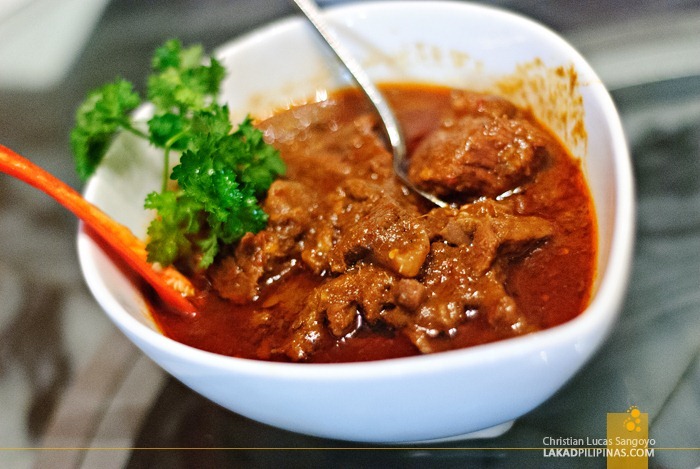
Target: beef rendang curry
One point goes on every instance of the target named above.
(352, 266)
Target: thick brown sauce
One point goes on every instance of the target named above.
(551, 285)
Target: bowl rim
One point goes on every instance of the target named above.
(600, 313)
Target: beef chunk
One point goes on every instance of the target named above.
(386, 234)
(236, 277)
(489, 228)
(323, 148)
(290, 207)
(366, 222)
(463, 272)
(364, 293)
(478, 155)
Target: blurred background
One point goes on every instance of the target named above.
(68, 379)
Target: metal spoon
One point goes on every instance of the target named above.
(386, 115)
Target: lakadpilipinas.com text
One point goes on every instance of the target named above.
(598, 447)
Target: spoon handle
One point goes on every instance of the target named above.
(391, 126)
(393, 130)
(170, 284)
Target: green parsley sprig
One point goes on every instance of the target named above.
(222, 173)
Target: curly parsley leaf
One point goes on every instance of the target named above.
(258, 163)
(222, 174)
(98, 118)
(180, 80)
(166, 128)
(169, 233)
(225, 173)
(212, 121)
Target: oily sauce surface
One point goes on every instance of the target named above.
(545, 272)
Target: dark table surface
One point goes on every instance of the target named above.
(70, 380)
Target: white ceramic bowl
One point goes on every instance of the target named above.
(482, 388)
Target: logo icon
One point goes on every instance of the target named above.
(633, 423)
(628, 439)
